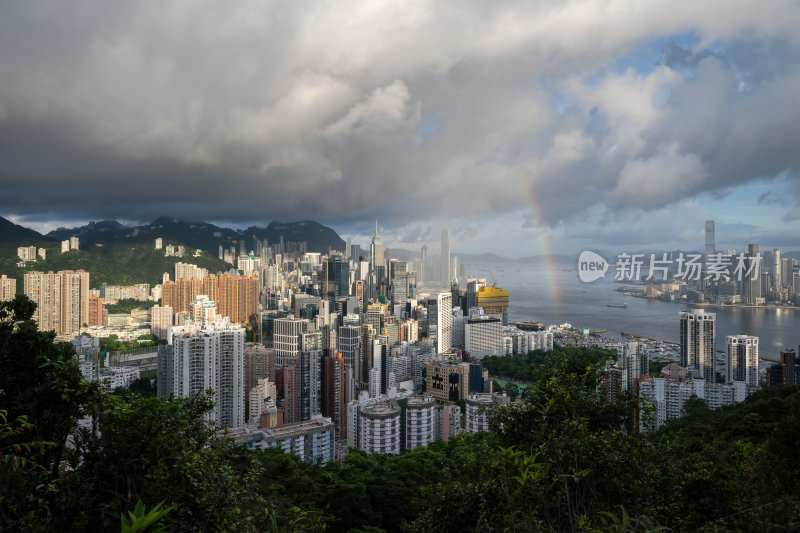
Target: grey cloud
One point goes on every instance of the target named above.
(247, 112)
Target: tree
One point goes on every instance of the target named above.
(40, 380)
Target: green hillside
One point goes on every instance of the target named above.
(119, 262)
(207, 236)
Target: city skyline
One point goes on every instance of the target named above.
(525, 130)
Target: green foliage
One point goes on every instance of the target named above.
(126, 305)
(140, 518)
(116, 262)
(561, 460)
(113, 344)
(654, 367)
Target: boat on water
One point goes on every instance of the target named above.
(619, 306)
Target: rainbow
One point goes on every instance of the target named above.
(544, 245)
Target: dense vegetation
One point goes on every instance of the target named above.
(113, 344)
(126, 305)
(559, 461)
(122, 262)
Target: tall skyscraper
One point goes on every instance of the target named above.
(445, 259)
(423, 264)
(287, 339)
(309, 363)
(376, 263)
(350, 348)
(742, 360)
(697, 342)
(440, 320)
(334, 398)
(777, 267)
(751, 280)
(710, 238)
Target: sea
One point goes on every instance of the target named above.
(553, 294)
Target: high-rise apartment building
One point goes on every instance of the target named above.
(289, 382)
(379, 430)
(263, 398)
(309, 382)
(334, 397)
(420, 421)
(259, 363)
(62, 299)
(235, 297)
(45, 290)
(350, 348)
(186, 270)
(697, 341)
(287, 339)
(161, 318)
(742, 359)
(95, 311)
(8, 288)
(26, 253)
(635, 362)
(198, 358)
(786, 371)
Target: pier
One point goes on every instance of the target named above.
(624, 334)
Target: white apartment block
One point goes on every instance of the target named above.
(448, 421)
(26, 253)
(260, 396)
(667, 397)
(379, 429)
(189, 271)
(420, 421)
(479, 408)
(199, 358)
(483, 336)
(742, 359)
(161, 318)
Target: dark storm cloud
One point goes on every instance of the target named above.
(246, 112)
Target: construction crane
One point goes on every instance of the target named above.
(494, 281)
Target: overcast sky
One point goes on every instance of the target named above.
(522, 126)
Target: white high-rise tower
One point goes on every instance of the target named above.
(742, 361)
(697, 341)
(445, 258)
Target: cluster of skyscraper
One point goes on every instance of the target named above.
(718, 378)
